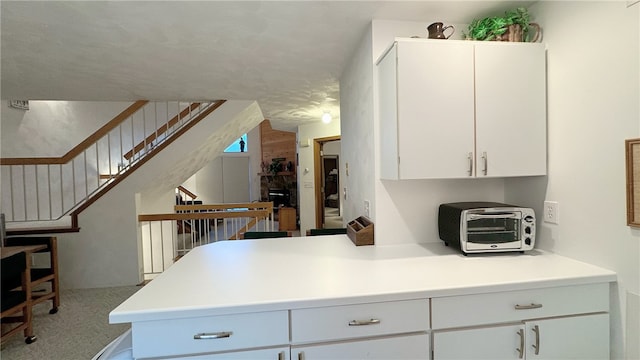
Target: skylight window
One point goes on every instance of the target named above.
(239, 145)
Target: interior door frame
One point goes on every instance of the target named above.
(317, 176)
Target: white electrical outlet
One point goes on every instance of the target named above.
(367, 208)
(551, 213)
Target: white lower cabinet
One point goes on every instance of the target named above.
(385, 330)
(398, 347)
(578, 337)
(570, 322)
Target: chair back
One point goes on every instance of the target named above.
(266, 234)
(332, 231)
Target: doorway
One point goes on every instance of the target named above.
(327, 182)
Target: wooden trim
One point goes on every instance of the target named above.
(161, 130)
(84, 145)
(43, 231)
(148, 157)
(317, 181)
(187, 192)
(633, 178)
(205, 207)
(204, 215)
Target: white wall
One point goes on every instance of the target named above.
(305, 169)
(356, 110)
(65, 122)
(207, 183)
(593, 106)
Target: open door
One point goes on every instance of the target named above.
(327, 182)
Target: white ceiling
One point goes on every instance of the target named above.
(287, 55)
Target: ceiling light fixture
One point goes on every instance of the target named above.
(326, 118)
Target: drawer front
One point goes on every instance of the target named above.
(219, 333)
(353, 321)
(492, 308)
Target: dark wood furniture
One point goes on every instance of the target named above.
(41, 275)
(287, 219)
(15, 296)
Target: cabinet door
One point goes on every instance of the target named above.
(495, 343)
(580, 337)
(401, 347)
(281, 353)
(435, 109)
(510, 109)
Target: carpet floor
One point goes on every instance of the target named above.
(78, 331)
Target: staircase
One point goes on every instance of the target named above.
(42, 191)
(107, 250)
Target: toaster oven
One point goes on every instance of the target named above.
(479, 227)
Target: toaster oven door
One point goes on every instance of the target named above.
(493, 231)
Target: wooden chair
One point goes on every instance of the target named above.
(265, 234)
(16, 296)
(332, 231)
(43, 275)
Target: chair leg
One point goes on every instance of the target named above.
(29, 337)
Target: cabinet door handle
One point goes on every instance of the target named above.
(521, 348)
(364, 322)
(470, 158)
(536, 330)
(301, 355)
(216, 335)
(281, 355)
(528, 307)
(485, 162)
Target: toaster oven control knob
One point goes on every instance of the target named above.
(528, 218)
(527, 230)
(527, 241)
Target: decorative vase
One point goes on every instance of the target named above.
(514, 33)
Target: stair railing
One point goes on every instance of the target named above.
(168, 237)
(46, 188)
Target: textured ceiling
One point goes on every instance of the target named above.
(287, 55)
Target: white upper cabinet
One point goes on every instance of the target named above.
(459, 109)
(510, 81)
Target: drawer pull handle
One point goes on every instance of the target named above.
(281, 355)
(536, 330)
(521, 348)
(217, 335)
(528, 307)
(364, 322)
(301, 355)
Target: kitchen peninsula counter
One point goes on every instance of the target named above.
(250, 276)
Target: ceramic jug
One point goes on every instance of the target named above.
(437, 29)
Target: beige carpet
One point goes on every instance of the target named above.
(78, 331)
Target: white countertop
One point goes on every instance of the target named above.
(246, 276)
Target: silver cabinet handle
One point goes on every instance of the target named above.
(521, 348)
(536, 330)
(528, 307)
(364, 322)
(281, 355)
(301, 355)
(484, 161)
(216, 335)
(470, 158)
